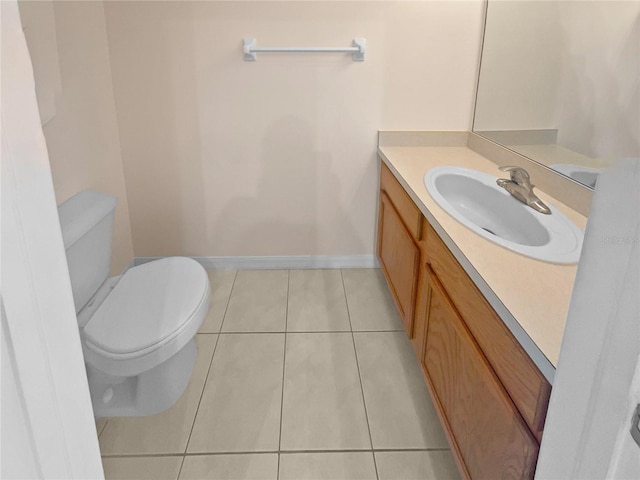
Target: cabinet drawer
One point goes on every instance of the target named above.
(525, 384)
(490, 438)
(409, 213)
(400, 260)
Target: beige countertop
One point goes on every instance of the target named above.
(531, 296)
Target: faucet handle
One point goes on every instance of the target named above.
(518, 175)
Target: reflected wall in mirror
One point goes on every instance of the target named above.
(560, 82)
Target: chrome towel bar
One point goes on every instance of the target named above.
(251, 48)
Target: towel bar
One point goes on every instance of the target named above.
(251, 48)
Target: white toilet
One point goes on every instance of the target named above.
(138, 329)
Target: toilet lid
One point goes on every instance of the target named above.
(149, 306)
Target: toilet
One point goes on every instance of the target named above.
(137, 329)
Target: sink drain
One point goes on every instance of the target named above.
(487, 230)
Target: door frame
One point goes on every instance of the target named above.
(589, 415)
(44, 365)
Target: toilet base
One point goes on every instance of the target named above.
(149, 393)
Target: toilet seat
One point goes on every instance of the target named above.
(152, 312)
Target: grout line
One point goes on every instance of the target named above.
(184, 457)
(301, 331)
(142, 455)
(226, 308)
(103, 427)
(266, 452)
(355, 352)
(284, 360)
(436, 449)
(253, 332)
(206, 378)
(375, 450)
(204, 386)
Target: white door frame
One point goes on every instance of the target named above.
(594, 392)
(43, 367)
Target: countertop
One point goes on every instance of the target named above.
(531, 296)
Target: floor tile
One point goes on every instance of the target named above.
(257, 466)
(327, 466)
(240, 408)
(317, 301)
(370, 304)
(166, 432)
(322, 406)
(432, 465)
(221, 282)
(258, 302)
(141, 468)
(401, 414)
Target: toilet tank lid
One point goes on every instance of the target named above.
(82, 212)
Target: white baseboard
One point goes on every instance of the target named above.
(283, 262)
(132, 263)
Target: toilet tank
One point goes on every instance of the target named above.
(86, 220)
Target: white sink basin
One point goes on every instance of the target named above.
(474, 199)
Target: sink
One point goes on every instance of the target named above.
(474, 199)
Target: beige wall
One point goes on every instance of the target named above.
(276, 157)
(82, 133)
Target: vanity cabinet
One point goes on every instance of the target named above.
(398, 249)
(489, 395)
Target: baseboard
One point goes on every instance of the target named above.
(132, 263)
(282, 262)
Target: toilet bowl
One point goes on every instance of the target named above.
(138, 329)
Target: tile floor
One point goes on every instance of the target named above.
(301, 374)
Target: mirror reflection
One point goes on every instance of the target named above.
(559, 83)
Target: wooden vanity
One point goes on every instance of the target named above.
(490, 396)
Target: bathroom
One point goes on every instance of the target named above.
(269, 164)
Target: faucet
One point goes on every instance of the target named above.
(520, 187)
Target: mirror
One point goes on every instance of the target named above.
(559, 83)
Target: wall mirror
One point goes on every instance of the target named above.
(560, 83)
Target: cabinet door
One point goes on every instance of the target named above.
(527, 387)
(490, 438)
(400, 259)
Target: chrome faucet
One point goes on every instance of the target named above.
(520, 187)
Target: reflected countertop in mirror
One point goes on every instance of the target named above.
(560, 83)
